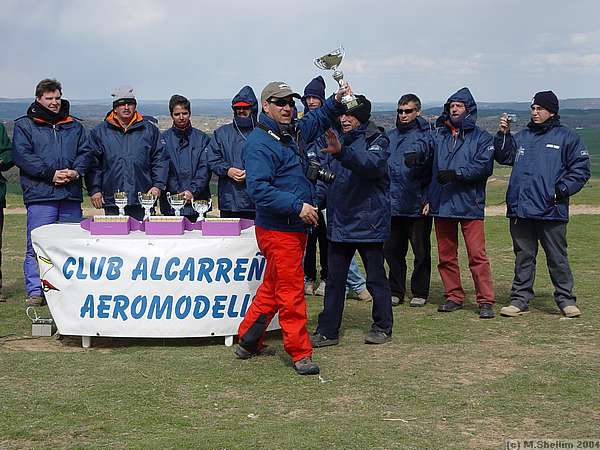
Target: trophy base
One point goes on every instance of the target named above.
(350, 102)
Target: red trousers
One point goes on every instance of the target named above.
(446, 232)
(282, 290)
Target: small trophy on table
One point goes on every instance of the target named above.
(147, 200)
(201, 207)
(331, 61)
(177, 202)
(121, 201)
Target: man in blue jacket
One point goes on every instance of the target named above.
(409, 180)
(358, 218)
(276, 165)
(50, 149)
(225, 156)
(185, 150)
(462, 162)
(550, 164)
(128, 157)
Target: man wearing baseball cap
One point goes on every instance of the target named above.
(550, 163)
(129, 157)
(276, 163)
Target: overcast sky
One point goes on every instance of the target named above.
(501, 50)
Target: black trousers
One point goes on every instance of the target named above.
(526, 233)
(1, 230)
(339, 256)
(241, 214)
(317, 235)
(417, 231)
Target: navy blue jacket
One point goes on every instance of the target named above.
(39, 149)
(129, 160)
(358, 199)
(543, 161)
(408, 185)
(275, 170)
(470, 153)
(225, 151)
(188, 167)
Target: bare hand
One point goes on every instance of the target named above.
(154, 191)
(344, 90)
(504, 125)
(333, 143)
(236, 174)
(309, 214)
(187, 195)
(61, 177)
(425, 210)
(97, 200)
(72, 175)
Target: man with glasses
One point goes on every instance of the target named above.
(276, 163)
(129, 157)
(409, 180)
(550, 163)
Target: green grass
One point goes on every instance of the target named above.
(447, 381)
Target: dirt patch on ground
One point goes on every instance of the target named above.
(37, 344)
(500, 210)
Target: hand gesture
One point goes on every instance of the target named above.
(504, 125)
(333, 143)
(97, 200)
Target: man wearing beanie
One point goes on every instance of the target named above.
(549, 163)
(314, 97)
(50, 149)
(463, 160)
(409, 180)
(185, 149)
(276, 164)
(225, 156)
(358, 215)
(129, 157)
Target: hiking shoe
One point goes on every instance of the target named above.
(309, 288)
(449, 306)
(396, 300)
(362, 296)
(486, 311)
(320, 291)
(306, 366)
(512, 311)
(418, 302)
(318, 340)
(377, 337)
(242, 353)
(571, 311)
(34, 300)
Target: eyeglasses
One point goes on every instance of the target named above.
(406, 111)
(281, 102)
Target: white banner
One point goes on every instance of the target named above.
(147, 286)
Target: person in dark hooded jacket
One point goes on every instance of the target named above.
(358, 218)
(128, 157)
(50, 149)
(550, 163)
(225, 156)
(462, 162)
(185, 149)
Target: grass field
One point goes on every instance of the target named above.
(447, 381)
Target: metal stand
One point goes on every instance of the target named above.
(228, 341)
(86, 341)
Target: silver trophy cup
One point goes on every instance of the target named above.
(121, 201)
(331, 61)
(201, 207)
(147, 200)
(177, 202)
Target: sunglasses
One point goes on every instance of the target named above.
(281, 102)
(406, 111)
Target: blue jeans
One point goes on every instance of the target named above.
(355, 281)
(39, 214)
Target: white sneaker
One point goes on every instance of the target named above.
(309, 288)
(321, 289)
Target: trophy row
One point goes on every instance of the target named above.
(147, 200)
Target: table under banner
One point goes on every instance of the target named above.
(147, 286)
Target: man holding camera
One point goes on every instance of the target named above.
(550, 164)
(276, 166)
(358, 219)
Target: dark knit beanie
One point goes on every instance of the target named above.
(547, 100)
(316, 88)
(362, 111)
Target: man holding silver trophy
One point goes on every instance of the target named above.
(276, 176)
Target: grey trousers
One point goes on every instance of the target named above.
(552, 235)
